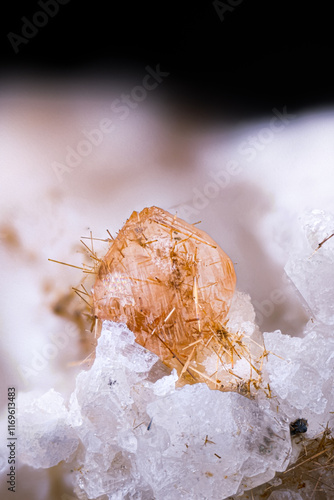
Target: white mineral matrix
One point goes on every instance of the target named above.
(128, 432)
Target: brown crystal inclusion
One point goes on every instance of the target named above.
(172, 285)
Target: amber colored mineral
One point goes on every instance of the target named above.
(172, 285)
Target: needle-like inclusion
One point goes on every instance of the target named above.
(172, 285)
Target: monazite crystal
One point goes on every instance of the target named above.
(172, 285)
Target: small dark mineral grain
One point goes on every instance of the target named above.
(299, 426)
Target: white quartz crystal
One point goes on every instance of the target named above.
(142, 438)
(45, 433)
(301, 374)
(312, 269)
(129, 433)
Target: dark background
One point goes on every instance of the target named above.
(262, 55)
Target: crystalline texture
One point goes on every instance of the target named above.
(141, 438)
(174, 443)
(301, 373)
(173, 286)
(131, 433)
(311, 265)
(45, 434)
(150, 275)
(216, 443)
(168, 281)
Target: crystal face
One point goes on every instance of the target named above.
(172, 285)
(128, 432)
(143, 439)
(311, 266)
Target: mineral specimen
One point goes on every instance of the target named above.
(299, 426)
(311, 264)
(130, 431)
(172, 285)
(142, 438)
(47, 437)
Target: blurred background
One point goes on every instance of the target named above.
(221, 112)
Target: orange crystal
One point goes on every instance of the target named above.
(172, 285)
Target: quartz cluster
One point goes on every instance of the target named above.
(301, 374)
(133, 435)
(300, 369)
(130, 432)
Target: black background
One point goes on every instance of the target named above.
(263, 54)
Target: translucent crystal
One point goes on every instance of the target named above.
(311, 267)
(143, 438)
(45, 433)
(216, 442)
(301, 372)
(142, 434)
(131, 431)
(173, 286)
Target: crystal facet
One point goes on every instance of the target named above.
(142, 438)
(172, 285)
